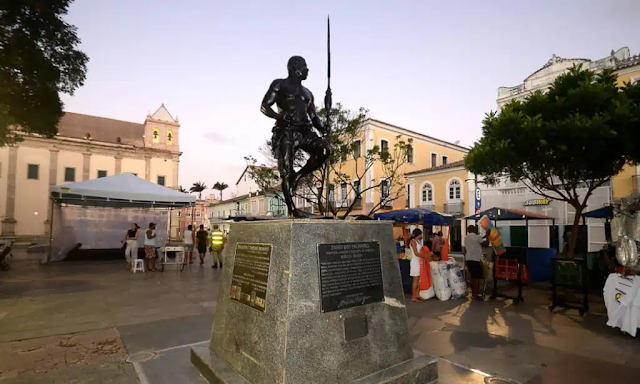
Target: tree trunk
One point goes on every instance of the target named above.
(575, 229)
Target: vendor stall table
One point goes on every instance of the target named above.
(177, 260)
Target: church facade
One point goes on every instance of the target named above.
(86, 147)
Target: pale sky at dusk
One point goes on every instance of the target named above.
(429, 66)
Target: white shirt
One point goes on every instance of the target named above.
(188, 237)
(150, 242)
(473, 245)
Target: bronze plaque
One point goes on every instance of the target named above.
(350, 275)
(251, 274)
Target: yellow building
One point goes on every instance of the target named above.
(427, 152)
(444, 188)
(627, 181)
(86, 147)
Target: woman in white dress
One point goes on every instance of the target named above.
(413, 250)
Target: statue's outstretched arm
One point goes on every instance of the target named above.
(270, 99)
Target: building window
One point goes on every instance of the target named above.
(102, 174)
(384, 190)
(69, 175)
(455, 189)
(426, 194)
(169, 138)
(156, 135)
(32, 171)
(188, 213)
(356, 149)
(356, 188)
(161, 180)
(198, 214)
(410, 155)
(343, 191)
(434, 159)
(444, 160)
(332, 192)
(384, 146)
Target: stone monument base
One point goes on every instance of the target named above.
(311, 302)
(421, 369)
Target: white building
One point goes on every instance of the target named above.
(544, 77)
(519, 197)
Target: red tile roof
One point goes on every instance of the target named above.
(76, 125)
(455, 164)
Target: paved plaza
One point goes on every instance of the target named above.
(98, 323)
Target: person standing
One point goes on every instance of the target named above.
(436, 243)
(150, 248)
(131, 240)
(473, 243)
(189, 239)
(217, 246)
(202, 236)
(415, 246)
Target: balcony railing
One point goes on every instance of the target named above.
(346, 203)
(454, 208)
(429, 206)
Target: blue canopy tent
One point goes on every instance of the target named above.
(605, 213)
(416, 216)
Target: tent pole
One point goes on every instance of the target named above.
(53, 206)
(169, 240)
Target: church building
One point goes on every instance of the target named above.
(86, 147)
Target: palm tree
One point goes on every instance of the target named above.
(181, 189)
(220, 186)
(198, 187)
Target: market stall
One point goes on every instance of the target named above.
(402, 219)
(94, 214)
(521, 265)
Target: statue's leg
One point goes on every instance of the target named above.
(319, 151)
(287, 173)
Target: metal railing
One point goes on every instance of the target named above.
(454, 208)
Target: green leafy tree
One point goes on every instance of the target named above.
(565, 143)
(39, 59)
(347, 167)
(198, 187)
(181, 189)
(220, 186)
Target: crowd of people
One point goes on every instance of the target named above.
(202, 240)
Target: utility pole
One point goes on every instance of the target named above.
(327, 108)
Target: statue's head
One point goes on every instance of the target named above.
(297, 67)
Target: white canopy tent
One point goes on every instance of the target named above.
(96, 213)
(120, 191)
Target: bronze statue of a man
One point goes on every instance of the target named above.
(293, 130)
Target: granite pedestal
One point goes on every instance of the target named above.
(308, 326)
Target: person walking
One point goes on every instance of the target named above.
(150, 248)
(217, 246)
(189, 239)
(131, 240)
(202, 236)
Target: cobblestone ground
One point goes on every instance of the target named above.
(78, 322)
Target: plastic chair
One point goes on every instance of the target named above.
(138, 265)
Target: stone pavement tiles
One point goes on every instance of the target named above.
(77, 322)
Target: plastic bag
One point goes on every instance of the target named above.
(457, 282)
(426, 294)
(440, 280)
(426, 288)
